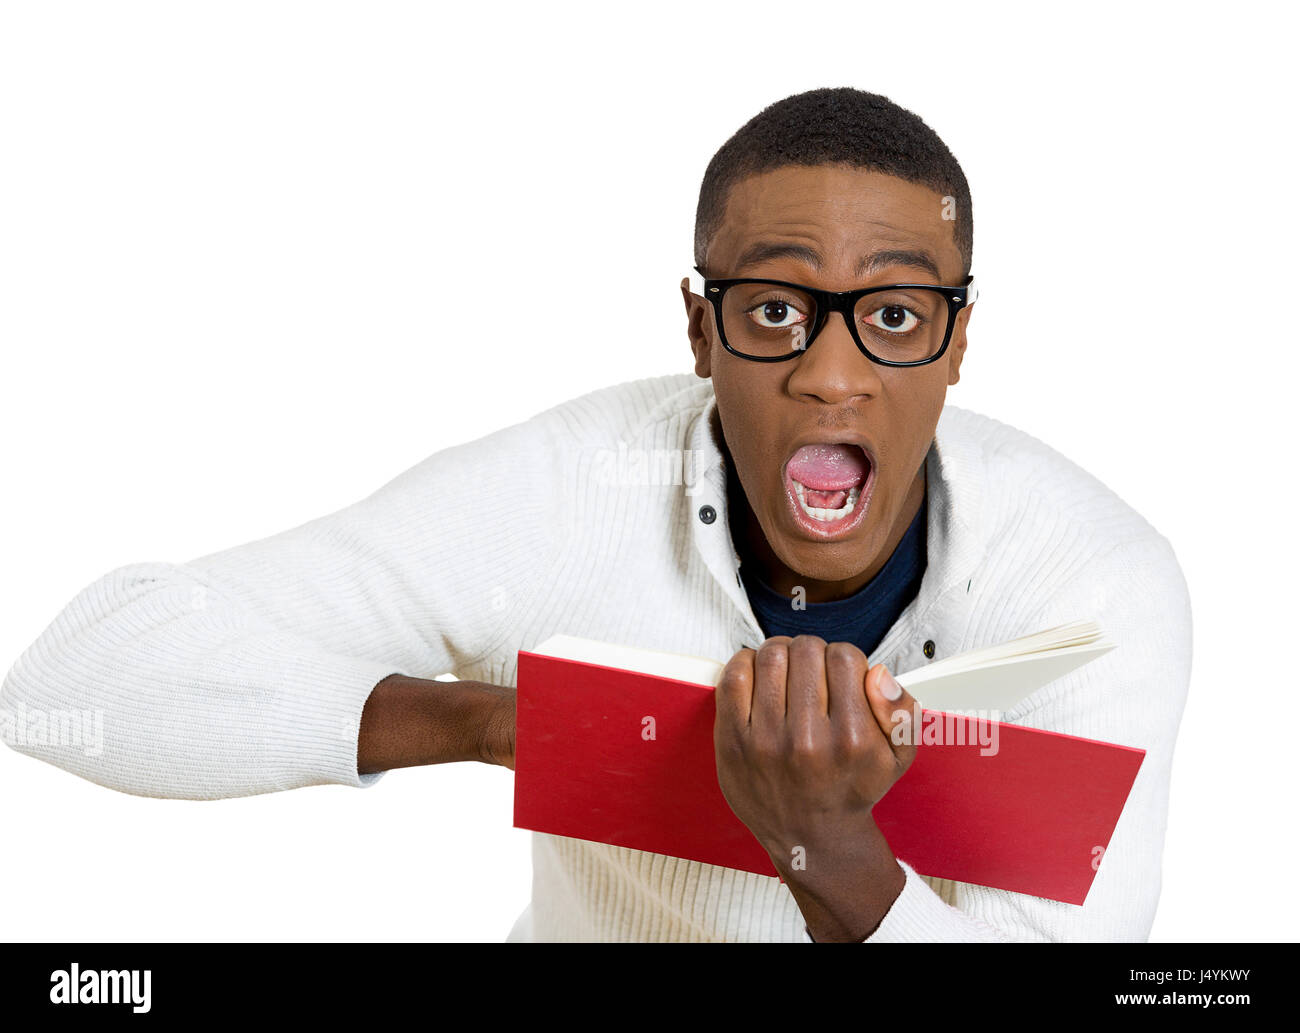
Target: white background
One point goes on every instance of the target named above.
(257, 259)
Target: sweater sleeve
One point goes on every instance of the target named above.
(246, 671)
(919, 915)
(1133, 696)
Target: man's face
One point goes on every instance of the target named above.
(832, 393)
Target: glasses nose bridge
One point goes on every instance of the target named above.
(829, 303)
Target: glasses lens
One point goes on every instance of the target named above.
(902, 324)
(766, 320)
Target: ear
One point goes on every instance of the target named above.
(697, 330)
(957, 346)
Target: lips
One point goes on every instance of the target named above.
(828, 486)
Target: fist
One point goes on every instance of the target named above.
(807, 738)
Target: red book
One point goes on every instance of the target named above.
(618, 756)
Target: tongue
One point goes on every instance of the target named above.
(829, 468)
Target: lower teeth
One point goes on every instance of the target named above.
(818, 513)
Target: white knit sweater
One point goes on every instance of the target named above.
(246, 671)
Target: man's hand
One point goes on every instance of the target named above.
(804, 750)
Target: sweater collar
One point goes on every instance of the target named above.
(956, 519)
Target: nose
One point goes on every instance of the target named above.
(832, 367)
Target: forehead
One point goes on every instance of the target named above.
(842, 213)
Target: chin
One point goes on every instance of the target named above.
(825, 561)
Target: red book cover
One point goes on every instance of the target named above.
(625, 758)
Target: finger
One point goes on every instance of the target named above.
(852, 722)
(771, 667)
(895, 711)
(735, 690)
(806, 683)
(805, 702)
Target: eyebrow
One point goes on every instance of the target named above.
(766, 251)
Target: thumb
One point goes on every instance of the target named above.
(896, 712)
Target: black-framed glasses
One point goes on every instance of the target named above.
(902, 324)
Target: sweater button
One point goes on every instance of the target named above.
(928, 648)
(708, 514)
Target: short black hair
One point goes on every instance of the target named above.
(835, 125)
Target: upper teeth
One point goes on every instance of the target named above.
(817, 513)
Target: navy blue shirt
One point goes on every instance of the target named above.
(864, 617)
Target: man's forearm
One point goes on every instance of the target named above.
(411, 721)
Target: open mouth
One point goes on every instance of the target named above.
(829, 487)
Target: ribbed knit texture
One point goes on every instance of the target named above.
(246, 671)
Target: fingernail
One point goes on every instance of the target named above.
(889, 687)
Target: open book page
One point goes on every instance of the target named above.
(999, 677)
(990, 678)
(695, 669)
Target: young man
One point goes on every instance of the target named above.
(821, 466)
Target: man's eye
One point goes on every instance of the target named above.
(775, 315)
(894, 318)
